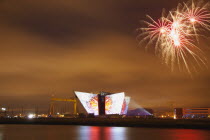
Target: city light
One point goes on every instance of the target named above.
(3, 109)
(31, 116)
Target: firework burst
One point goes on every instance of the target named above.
(175, 36)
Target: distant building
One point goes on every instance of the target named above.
(192, 112)
(104, 103)
(140, 112)
(164, 114)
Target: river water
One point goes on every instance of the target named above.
(71, 132)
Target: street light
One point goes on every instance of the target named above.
(31, 116)
(3, 109)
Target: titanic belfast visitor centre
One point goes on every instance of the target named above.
(104, 103)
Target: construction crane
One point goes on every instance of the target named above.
(64, 100)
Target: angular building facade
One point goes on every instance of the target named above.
(104, 103)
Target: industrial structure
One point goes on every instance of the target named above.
(52, 104)
(180, 113)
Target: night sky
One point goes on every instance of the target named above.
(54, 47)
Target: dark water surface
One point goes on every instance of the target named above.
(69, 132)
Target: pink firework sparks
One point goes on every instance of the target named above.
(176, 35)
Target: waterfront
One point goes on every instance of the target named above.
(71, 132)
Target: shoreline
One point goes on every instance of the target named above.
(115, 122)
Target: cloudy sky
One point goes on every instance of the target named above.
(54, 47)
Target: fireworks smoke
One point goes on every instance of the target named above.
(176, 35)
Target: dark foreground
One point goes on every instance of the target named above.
(78, 132)
(123, 122)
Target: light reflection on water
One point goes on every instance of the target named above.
(70, 132)
(1, 132)
(98, 133)
(189, 134)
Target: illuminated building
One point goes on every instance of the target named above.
(191, 113)
(104, 103)
(89, 101)
(140, 112)
(125, 105)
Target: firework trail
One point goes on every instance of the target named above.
(176, 35)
